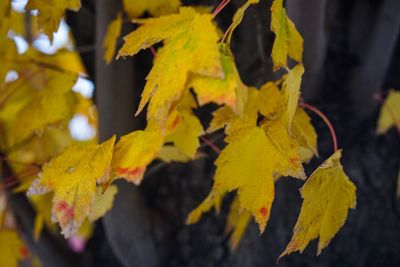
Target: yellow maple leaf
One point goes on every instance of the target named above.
(238, 17)
(135, 8)
(12, 248)
(111, 38)
(190, 46)
(135, 151)
(247, 164)
(287, 156)
(237, 223)
(73, 176)
(169, 154)
(51, 12)
(390, 113)
(304, 133)
(213, 200)
(328, 195)
(220, 91)
(48, 104)
(220, 119)
(186, 135)
(104, 202)
(291, 90)
(288, 41)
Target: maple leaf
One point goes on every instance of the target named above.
(135, 8)
(247, 164)
(46, 105)
(288, 41)
(12, 248)
(190, 46)
(186, 135)
(73, 176)
(390, 113)
(238, 17)
(327, 194)
(51, 12)
(104, 202)
(135, 151)
(111, 37)
(286, 150)
(220, 91)
(213, 200)
(169, 154)
(291, 90)
(220, 119)
(304, 133)
(237, 223)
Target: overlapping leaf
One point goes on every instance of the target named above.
(73, 177)
(51, 12)
(111, 38)
(190, 46)
(135, 8)
(288, 41)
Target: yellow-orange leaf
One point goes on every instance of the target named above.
(288, 41)
(73, 177)
(390, 113)
(220, 91)
(186, 135)
(328, 195)
(135, 151)
(136, 8)
(190, 46)
(51, 12)
(111, 38)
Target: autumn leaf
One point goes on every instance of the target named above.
(111, 38)
(238, 17)
(190, 46)
(12, 248)
(247, 165)
(135, 8)
(73, 176)
(288, 41)
(51, 12)
(221, 118)
(220, 91)
(286, 150)
(328, 195)
(291, 90)
(170, 154)
(213, 200)
(304, 132)
(237, 223)
(103, 203)
(49, 104)
(135, 151)
(390, 113)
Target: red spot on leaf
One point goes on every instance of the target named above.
(24, 252)
(264, 211)
(67, 213)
